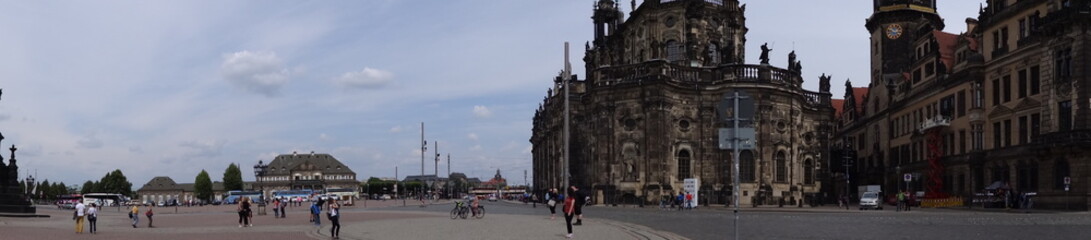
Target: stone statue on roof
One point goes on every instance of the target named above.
(824, 83)
(765, 53)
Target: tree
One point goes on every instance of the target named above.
(43, 189)
(97, 187)
(116, 182)
(88, 187)
(232, 178)
(202, 186)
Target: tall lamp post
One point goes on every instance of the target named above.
(259, 172)
(30, 187)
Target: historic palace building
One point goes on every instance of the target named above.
(645, 116)
(304, 171)
(1002, 107)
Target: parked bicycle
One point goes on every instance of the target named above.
(463, 211)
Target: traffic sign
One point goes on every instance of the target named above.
(1067, 180)
(726, 107)
(745, 136)
(907, 177)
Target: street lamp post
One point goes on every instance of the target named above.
(259, 172)
(30, 186)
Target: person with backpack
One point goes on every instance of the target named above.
(92, 217)
(315, 210)
(149, 215)
(334, 214)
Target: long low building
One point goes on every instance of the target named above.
(165, 189)
(314, 171)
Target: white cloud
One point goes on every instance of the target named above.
(482, 111)
(369, 78)
(258, 72)
(90, 141)
(4, 117)
(472, 136)
(476, 148)
(324, 137)
(396, 129)
(136, 149)
(203, 149)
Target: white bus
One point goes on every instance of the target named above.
(344, 194)
(104, 199)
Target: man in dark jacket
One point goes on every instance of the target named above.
(580, 201)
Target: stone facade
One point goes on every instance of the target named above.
(1014, 89)
(306, 171)
(645, 117)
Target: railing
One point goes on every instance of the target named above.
(665, 71)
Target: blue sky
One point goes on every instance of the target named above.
(168, 88)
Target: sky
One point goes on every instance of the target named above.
(170, 88)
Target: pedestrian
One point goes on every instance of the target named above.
(580, 201)
(282, 208)
(276, 208)
(901, 201)
(134, 213)
(315, 210)
(149, 215)
(244, 220)
(551, 201)
(908, 197)
(249, 212)
(335, 219)
(569, 210)
(81, 210)
(679, 200)
(689, 200)
(92, 217)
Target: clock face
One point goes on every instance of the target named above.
(894, 31)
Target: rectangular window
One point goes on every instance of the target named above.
(961, 103)
(1023, 130)
(1063, 61)
(1006, 90)
(1022, 84)
(996, 40)
(1007, 132)
(979, 137)
(947, 106)
(1035, 126)
(979, 95)
(1035, 80)
(1064, 115)
(996, 135)
(1004, 37)
(916, 76)
(930, 69)
(1022, 28)
(996, 92)
(962, 141)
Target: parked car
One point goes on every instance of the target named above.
(870, 200)
(492, 198)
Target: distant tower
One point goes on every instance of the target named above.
(606, 17)
(894, 26)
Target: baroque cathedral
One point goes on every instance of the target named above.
(644, 117)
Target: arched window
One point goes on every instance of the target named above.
(746, 166)
(713, 54)
(675, 51)
(683, 165)
(781, 167)
(808, 172)
(1060, 171)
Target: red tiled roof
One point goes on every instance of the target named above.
(858, 95)
(838, 105)
(947, 44)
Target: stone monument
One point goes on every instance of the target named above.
(13, 200)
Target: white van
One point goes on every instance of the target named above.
(871, 200)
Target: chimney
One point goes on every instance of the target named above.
(971, 24)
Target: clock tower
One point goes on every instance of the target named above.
(895, 25)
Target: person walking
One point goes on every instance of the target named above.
(569, 211)
(244, 220)
(81, 210)
(315, 210)
(149, 214)
(580, 201)
(908, 198)
(679, 200)
(335, 219)
(282, 208)
(92, 218)
(901, 201)
(249, 212)
(276, 208)
(551, 201)
(689, 200)
(134, 213)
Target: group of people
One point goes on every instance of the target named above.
(572, 206)
(90, 213)
(903, 201)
